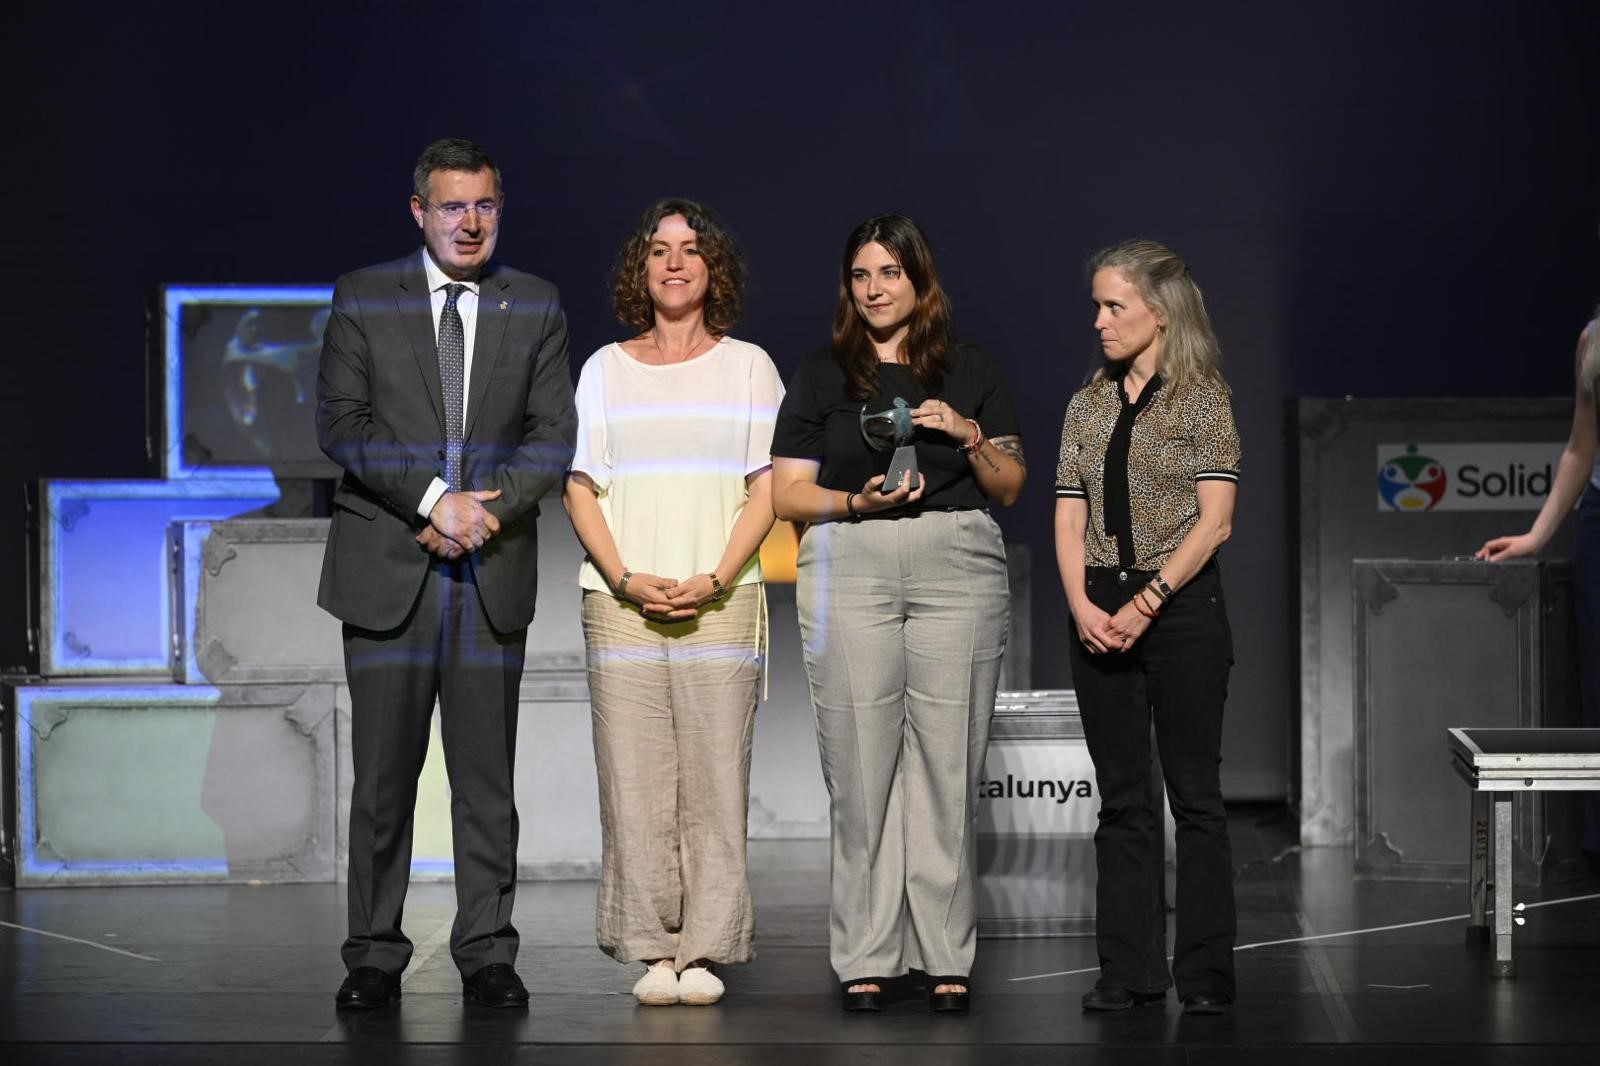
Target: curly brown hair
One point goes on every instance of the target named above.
(725, 273)
(927, 344)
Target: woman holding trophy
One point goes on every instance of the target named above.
(890, 446)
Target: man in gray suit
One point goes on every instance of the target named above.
(445, 395)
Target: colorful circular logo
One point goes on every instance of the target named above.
(1412, 482)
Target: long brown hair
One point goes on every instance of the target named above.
(725, 274)
(926, 345)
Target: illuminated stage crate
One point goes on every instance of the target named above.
(103, 604)
(233, 376)
(120, 782)
(1038, 805)
(1442, 645)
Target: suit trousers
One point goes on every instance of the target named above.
(446, 649)
(1176, 677)
(904, 622)
(674, 715)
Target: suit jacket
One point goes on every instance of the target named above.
(380, 416)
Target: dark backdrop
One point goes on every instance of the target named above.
(1378, 199)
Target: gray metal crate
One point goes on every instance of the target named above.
(1339, 521)
(1440, 645)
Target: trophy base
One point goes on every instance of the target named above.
(902, 469)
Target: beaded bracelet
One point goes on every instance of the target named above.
(977, 441)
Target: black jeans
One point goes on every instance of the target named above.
(1175, 676)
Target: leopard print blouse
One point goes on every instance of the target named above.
(1177, 441)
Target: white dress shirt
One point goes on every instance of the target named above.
(467, 307)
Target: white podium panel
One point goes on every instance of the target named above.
(1038, 807)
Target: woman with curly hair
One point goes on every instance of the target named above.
(903, 607)
(670, 496)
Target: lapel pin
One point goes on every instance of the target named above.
(504, 305)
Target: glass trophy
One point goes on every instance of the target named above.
(893, 429)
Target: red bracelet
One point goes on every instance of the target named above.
(977, 441)
(1138, 605)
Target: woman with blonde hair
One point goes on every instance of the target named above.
(1145, 491)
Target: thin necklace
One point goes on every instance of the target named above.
(661, 350)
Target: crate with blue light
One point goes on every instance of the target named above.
(1446, 644)
(8, 789)
(102, 582)
(233, 380)
(1038, 806)
(119, 781)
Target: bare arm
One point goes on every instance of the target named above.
(1572, 473)
(998, 464)
(1072, 520)
(796, 496)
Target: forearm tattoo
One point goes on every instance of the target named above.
(1012, 446)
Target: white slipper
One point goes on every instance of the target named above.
(699, 987)
(658, 987)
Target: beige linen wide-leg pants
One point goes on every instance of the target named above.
(674, 711)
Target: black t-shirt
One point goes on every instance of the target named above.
(820, 421)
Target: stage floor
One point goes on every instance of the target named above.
(1331, 970)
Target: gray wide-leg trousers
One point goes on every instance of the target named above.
(904, 622)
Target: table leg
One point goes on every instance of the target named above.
(1503, 966)
(1477, 884)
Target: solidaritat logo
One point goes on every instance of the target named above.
(1420, 478)
(1412, 482)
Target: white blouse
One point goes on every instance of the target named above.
(669, 448)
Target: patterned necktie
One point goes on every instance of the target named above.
(452, 375)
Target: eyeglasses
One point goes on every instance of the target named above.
(455, 210)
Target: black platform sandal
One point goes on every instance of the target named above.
(863, 1001)
(949, 1002)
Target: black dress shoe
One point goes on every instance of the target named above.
(1119, 998)
(949, 1002)
(1206, 1003)
(367, 988)
(496, 985)
(862, 1001)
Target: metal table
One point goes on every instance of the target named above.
(1497, 764)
